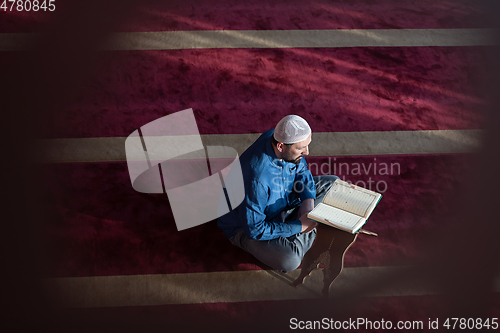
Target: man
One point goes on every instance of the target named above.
(271, 223)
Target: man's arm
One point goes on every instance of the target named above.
(304, 183)
(256, 225)
(307, 196)
(305, 207)
(308, 225)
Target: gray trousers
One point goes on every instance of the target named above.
(285, 253)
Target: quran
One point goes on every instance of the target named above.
(345, 206)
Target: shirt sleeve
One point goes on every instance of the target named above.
(305, 187)
(256, 225)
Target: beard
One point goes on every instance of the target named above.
(291, 157)
(294, 161)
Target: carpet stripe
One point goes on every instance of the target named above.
(171, 40)
(206, 39)
(323, 144)
(249, 286)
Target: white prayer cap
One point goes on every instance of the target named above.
(292, 129)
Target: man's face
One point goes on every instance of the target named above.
(295, 152)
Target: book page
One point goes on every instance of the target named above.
(352, 198)
(336, 217)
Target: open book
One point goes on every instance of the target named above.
(345, 206)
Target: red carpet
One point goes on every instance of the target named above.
(104, 227)
(248, 90)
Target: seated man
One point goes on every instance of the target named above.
(271, 223)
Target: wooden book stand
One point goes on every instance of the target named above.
(328, 249)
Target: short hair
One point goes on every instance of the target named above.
(275, 142)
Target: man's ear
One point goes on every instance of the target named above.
(280, 146)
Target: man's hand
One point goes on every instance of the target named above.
(308, 225)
